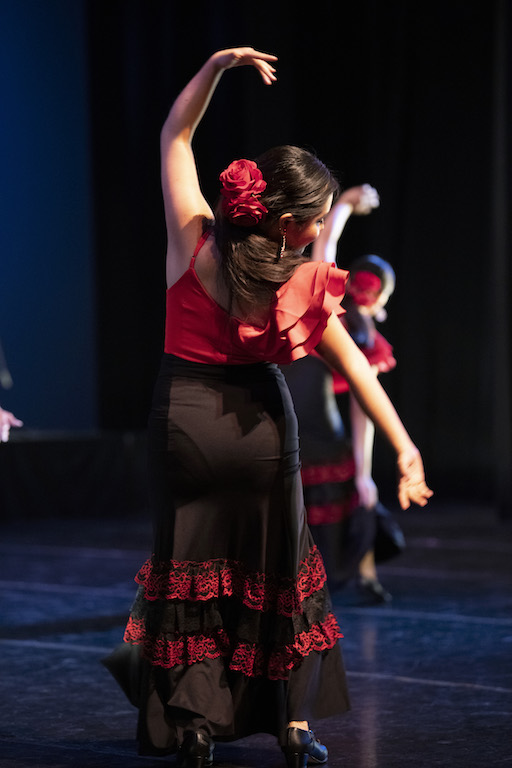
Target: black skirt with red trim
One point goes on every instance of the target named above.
(328, 470)
(231, 630)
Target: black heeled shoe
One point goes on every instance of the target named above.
(373, 588)
(196, 751)
(302, 748)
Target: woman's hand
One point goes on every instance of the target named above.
(7, 420)
(358, 200)
(366, 491)
(411, 479)
(239, 57)
(363, 199)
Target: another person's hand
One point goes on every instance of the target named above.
(366, 491)
(363, 199)
(7, 420)
(411, 483)
(239, 57)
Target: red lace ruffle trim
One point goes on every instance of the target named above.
(328, 473)
(198, 581)
(326, 514)
(250, 659)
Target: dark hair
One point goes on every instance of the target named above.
(297, 183)
(357, 325)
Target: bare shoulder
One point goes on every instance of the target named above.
(208, 271)
(181, 245)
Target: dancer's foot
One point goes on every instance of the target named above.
(374, 589)
(301, 747)
(196, 751)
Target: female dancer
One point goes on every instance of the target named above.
(232, 626)
(372, 282)
(340, 494)
(329, 474)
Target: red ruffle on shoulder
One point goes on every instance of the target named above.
(305, 304)
(198, 329)
(379, 355)
(299, 314)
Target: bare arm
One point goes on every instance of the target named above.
(356, 200)
(342, 354)
(363, 438)
(184, 203)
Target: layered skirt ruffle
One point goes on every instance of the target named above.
(259, 625)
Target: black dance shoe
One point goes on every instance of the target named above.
(302, 748)
(373, 589)
(196, 751)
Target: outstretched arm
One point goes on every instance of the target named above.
(356, 200)
(341, 353)
(185, 206)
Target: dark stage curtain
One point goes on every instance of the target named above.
(411, 97)
(500, 282)
(65, 475)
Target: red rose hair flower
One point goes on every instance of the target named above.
(364, 287)
(242, 185)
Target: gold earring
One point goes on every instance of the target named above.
(282, 247)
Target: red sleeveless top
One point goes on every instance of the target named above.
(200, 330)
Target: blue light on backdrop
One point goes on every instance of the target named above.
(47, 297)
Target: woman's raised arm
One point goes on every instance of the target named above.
(185, 206)
(355, 200)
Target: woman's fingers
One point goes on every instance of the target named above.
(412, 486)
(238, 57)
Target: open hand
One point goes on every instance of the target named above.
(363, 199)
(239, 57)
(411, 483)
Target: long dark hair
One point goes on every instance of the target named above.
(297, 183)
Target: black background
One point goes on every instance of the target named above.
(410, 97)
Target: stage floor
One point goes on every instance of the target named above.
(430, 674)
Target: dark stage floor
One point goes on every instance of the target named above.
(430, 675)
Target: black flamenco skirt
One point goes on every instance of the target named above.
(231, 631)
(340, 528)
